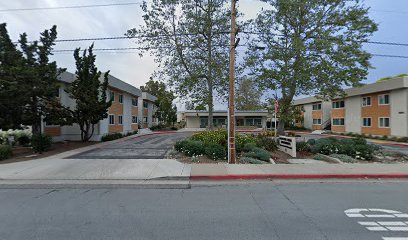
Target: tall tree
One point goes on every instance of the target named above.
(189, 40)
(165, 109)
(248, 97)
(310, 47)
(12, 99)
(40, 78)
(89, 93)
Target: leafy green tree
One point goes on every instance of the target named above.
(189, 39)
(165, 109)
(310, 47)
(89, 93)
(12, 99)
(247, 96)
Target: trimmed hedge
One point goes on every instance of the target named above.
(5, 152)
(111, 137)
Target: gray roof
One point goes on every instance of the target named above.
(147, 96)
(113, 82)
(392, 84)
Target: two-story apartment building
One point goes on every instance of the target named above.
(147, 110)
(124, 113)
(378, 109)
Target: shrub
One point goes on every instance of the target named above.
(250, 160)
(180, 145)
(194, 148)
(24, 140)
(215, 151)
(358, 140)
(249, 147)
(267, 143)
(111, 137)
(311, 141)
(403, 139)
(173, 128)
(218, 137)
(41, 142)
(258, 153)
(5, 152)
(384, 137)
(267, 133)
(344, 158)
(302, 147)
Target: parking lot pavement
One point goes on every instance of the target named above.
(153, 146)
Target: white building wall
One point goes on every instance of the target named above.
(399, 112)
(353, 114)
(127, 113)
(192, 122)
(326, 111)
(308, 120)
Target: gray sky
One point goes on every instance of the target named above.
(115, 20)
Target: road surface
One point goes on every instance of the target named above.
(255, 210)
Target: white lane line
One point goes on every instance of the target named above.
(398, 229)
(377, 229)
(395, 238)
(392, 223)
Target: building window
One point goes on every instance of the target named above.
(338, 121)
(366, 101)
(121, 98)
(58, 92)
(134, 102)
(366, 122)
(257, 122)
(145, 120)
(112, 96)
(120, 119)
(111, 119)
(145, 104)
(317, 106)
(384, 122)
(338, 104)
(134, 119)
(317, 121)
(384, 99)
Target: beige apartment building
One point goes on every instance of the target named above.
(378, 109)
(130, 106)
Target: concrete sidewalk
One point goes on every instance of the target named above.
(298, 171)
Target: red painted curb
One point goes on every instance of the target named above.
(298, 176)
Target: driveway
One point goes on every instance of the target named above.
(153, 146)
(132, 158)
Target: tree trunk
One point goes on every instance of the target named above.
(209, 65)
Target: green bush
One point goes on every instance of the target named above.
(24, 140)
(356, 148)
(194, 148)
(302, 147)
(384, 137)
(174, 128)
(5, 152)
(250, 160)
(207, 137)
(249, 147)
(311, 141)
(403, 139)
(258, 153)
(180, 145)
(41, 143)
(344, 158)
(267, 143)
(215, 151)
(111, 137)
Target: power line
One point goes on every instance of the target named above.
(69, 7)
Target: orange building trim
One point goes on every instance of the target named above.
(317, 114)
(375, 111)
(338, 113)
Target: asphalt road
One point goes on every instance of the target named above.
(145, 147)
(269, 210)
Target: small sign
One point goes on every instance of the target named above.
(288, 145)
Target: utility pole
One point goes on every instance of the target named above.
(231, 104)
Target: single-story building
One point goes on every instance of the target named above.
(243, 119)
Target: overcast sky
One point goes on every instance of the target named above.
(128, 66)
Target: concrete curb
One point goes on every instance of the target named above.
(299, 176)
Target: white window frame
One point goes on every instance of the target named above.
(109, 119)
(147, 105)
(371, 122)
(120, 119)
(318, 124)
(134, 117)
(334, 102)
(379, 122)
(317, 105)
(111, 95)
(383, 95)
(362, 101)
(120, 98)
(344, 121)
(134, 100)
